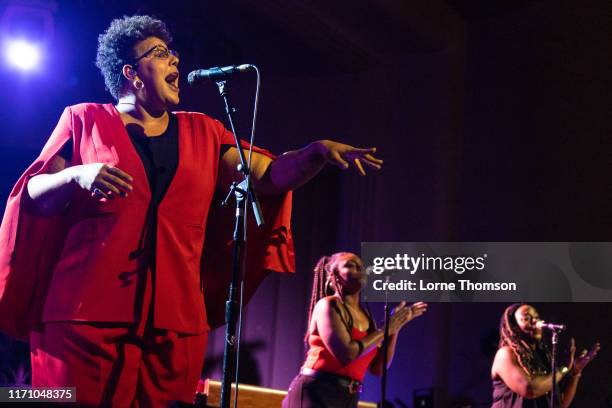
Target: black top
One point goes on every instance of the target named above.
(159, 156)
(504, 397)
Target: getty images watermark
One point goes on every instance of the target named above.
(488, 271)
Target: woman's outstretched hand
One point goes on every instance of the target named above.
(345, 156)
(577, 364)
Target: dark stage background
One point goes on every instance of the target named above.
(493, 118)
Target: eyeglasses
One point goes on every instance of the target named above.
(158, 51)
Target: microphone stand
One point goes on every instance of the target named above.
(385, 346)
(243, 193)
(554, 392)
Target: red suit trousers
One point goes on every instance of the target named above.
(109, 366)
(118, 366)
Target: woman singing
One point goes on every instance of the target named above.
(521, 369)
(342, 337)
(103, 235)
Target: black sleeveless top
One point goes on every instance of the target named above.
(504, 397)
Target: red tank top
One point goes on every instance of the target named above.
(321, 359)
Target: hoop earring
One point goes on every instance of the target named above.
(138, 84)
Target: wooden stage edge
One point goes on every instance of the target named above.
(250, 396)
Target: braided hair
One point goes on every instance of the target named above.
(326, 283)
(533, 362)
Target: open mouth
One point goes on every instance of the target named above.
(172, 81)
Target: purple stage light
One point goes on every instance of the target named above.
(22, 54)
(26, 29)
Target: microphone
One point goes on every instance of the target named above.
(216, 73)
(541, 324)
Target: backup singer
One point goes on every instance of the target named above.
(102, 238)
(521, 369)
(342, 337)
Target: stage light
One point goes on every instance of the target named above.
(26, 29)
(22, 54)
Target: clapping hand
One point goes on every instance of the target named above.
(402, 314)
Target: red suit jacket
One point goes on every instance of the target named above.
(83, 265)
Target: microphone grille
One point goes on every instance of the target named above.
(191, 77)
(244, 67)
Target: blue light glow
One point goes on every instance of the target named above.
(22, 54)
